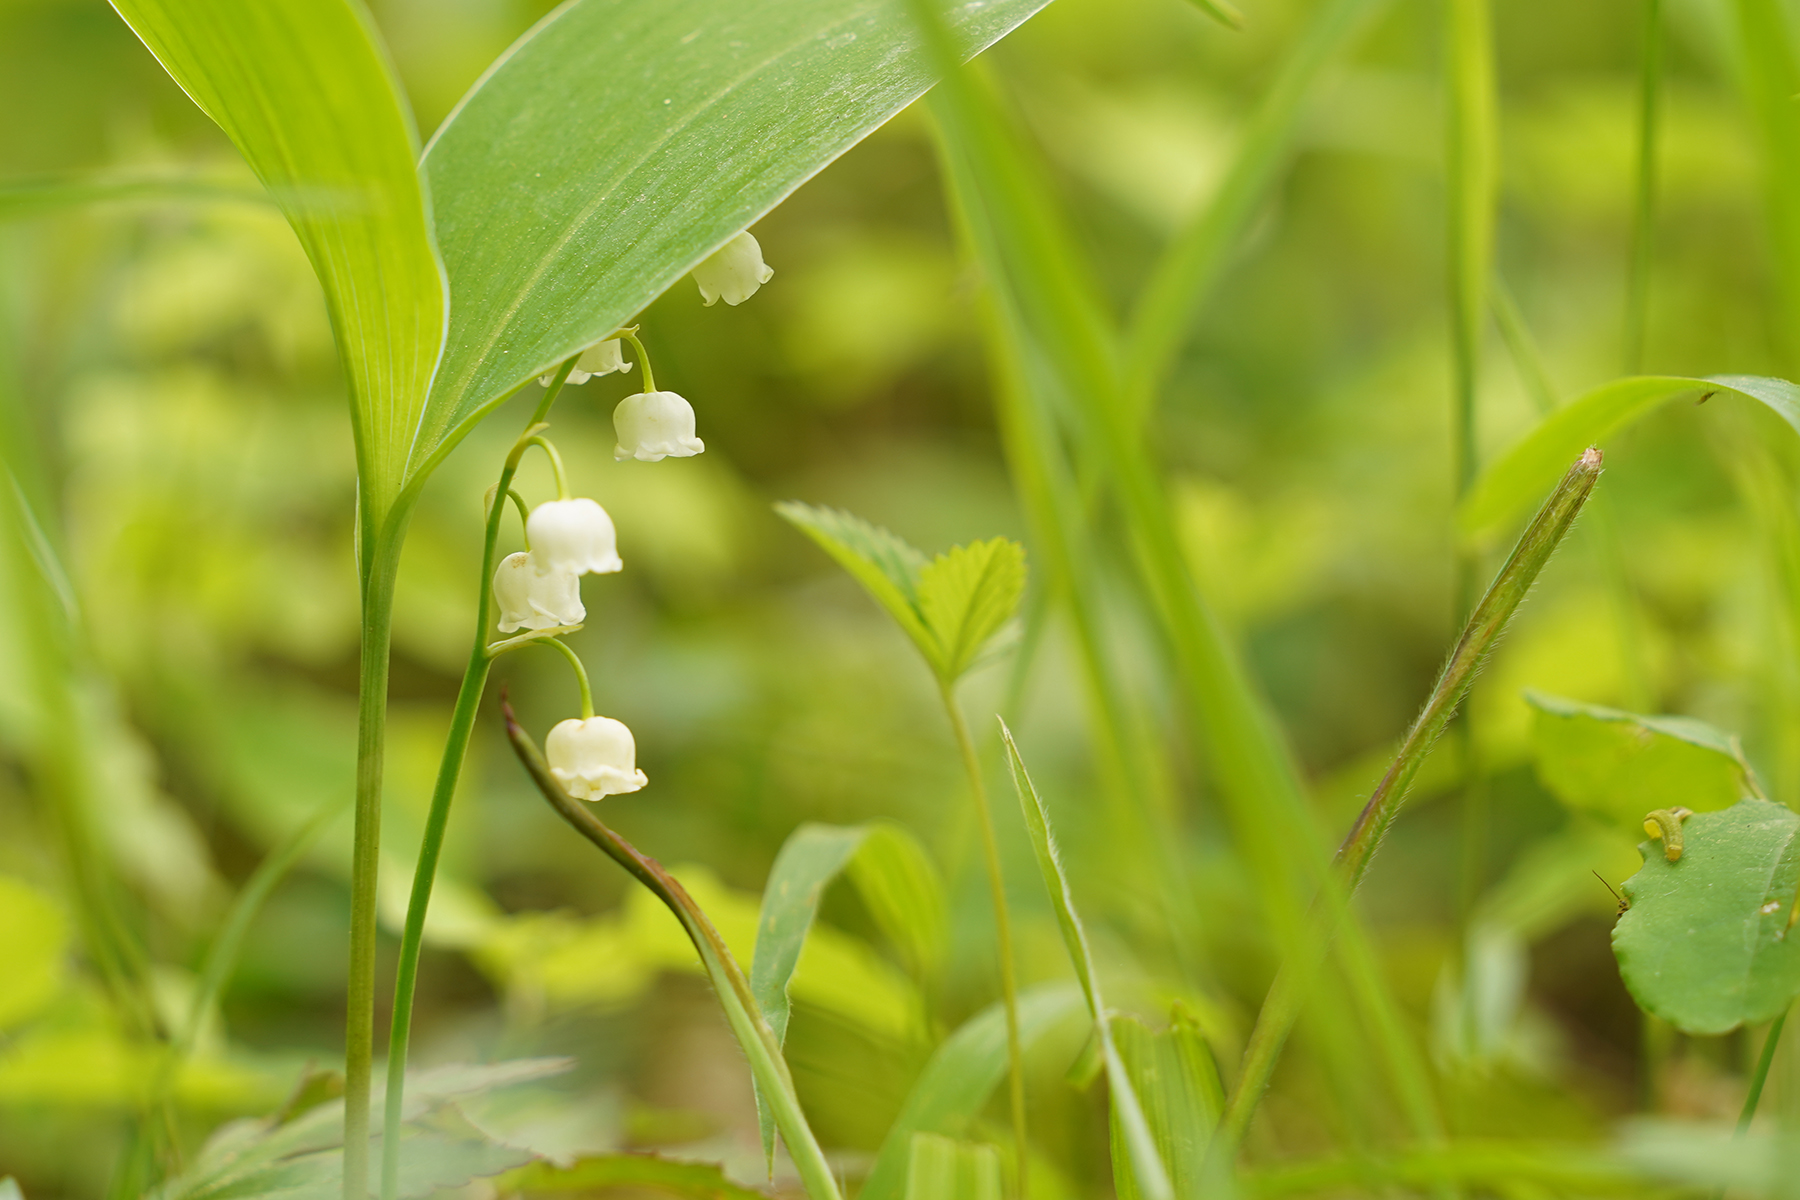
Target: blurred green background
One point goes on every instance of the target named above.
(168, 372)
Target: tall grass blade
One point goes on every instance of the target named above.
(1470, 163)
(1147, 1169)
(1643, 209)
(942, 1168)
(1768, 68)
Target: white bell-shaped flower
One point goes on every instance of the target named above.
(594, 758)
(573, 535)
(531, 598)
(601, 358)
(653, 426)
(733, 272)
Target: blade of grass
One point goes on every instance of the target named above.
(733, 991)
(1769, 75)
(22, 199)
(1045, 307)
(1643, 211)
(1191, 266)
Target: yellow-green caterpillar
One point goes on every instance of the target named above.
(1664, 825)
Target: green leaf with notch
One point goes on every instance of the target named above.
(1619, 765)
(1177, 1083)
(1517, 479)
(1705, 943)
(307, 93)
(966, 595)
(618, 143)
(942, 1168)
(1147, 1170)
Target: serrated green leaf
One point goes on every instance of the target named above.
(966, 595)
(619, 142)
(942, 1168)
(1515, 481)
(1619, 765)
(962, 1074)
(1147, 1171)
(306, 92)
(886, 566)
(1705, 943)
(1177, 1083)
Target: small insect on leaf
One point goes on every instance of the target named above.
(1623, 902)
(1664, 825)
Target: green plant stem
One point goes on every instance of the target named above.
(733, 990)
(643, 357)
(556, 463)
(1483, 629)
(1761, 1075)
(1643, 214)
(581, 675)
(524, 515)
(371, 734)
(1009, 984)
(456, 747)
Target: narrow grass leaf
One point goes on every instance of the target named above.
(1470, 164)
(616, 144)
(1705, 942)
(1177, 1084)
(1147, 1170)
(942, 1168)
(307, 93)
(1769, 74)
(1522, 474)
(959, 1079)
(21, 199)
(904, 895)
(966, 595)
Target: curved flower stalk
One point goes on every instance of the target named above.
(733, 990)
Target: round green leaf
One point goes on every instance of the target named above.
(1705, 943)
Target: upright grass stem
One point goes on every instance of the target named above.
(1643, 212)
(456, 749)
(1479, 635)
(1009, 983)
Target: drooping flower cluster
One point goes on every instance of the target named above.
(539, 589)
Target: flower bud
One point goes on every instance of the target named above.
(601, 358)
(573, 535)
(733, 272)
(594, 758)
(653, 426)
(531, 598)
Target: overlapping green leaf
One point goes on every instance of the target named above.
(305, 90)
(1177, 1083)
(1619, 765)
(688, 1180)
(1705, 943)
(1518, 478)
(620, 142)
(960, 1077)
(943, 1168)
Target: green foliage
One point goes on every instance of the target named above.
(33, 941)
(616, 145)
(308, 95)
(1705, 942)
(1517, 478)
(959, 1079)
(942, 1168)
(1618, 765)
(686, 1180)
(1146, 1169)
(951, 606)
(1177, 1083)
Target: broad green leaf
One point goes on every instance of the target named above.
(887, 567)
(1523, 474)
(306, 91)
(962, 1074)
(942, 1168)
(1147, 1169)
(688, 1180)
(1705, 942)
(1619, 765)
(966, 595)
(897, 882)
(620, 142)
(1178, 1085)
(33, 939)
